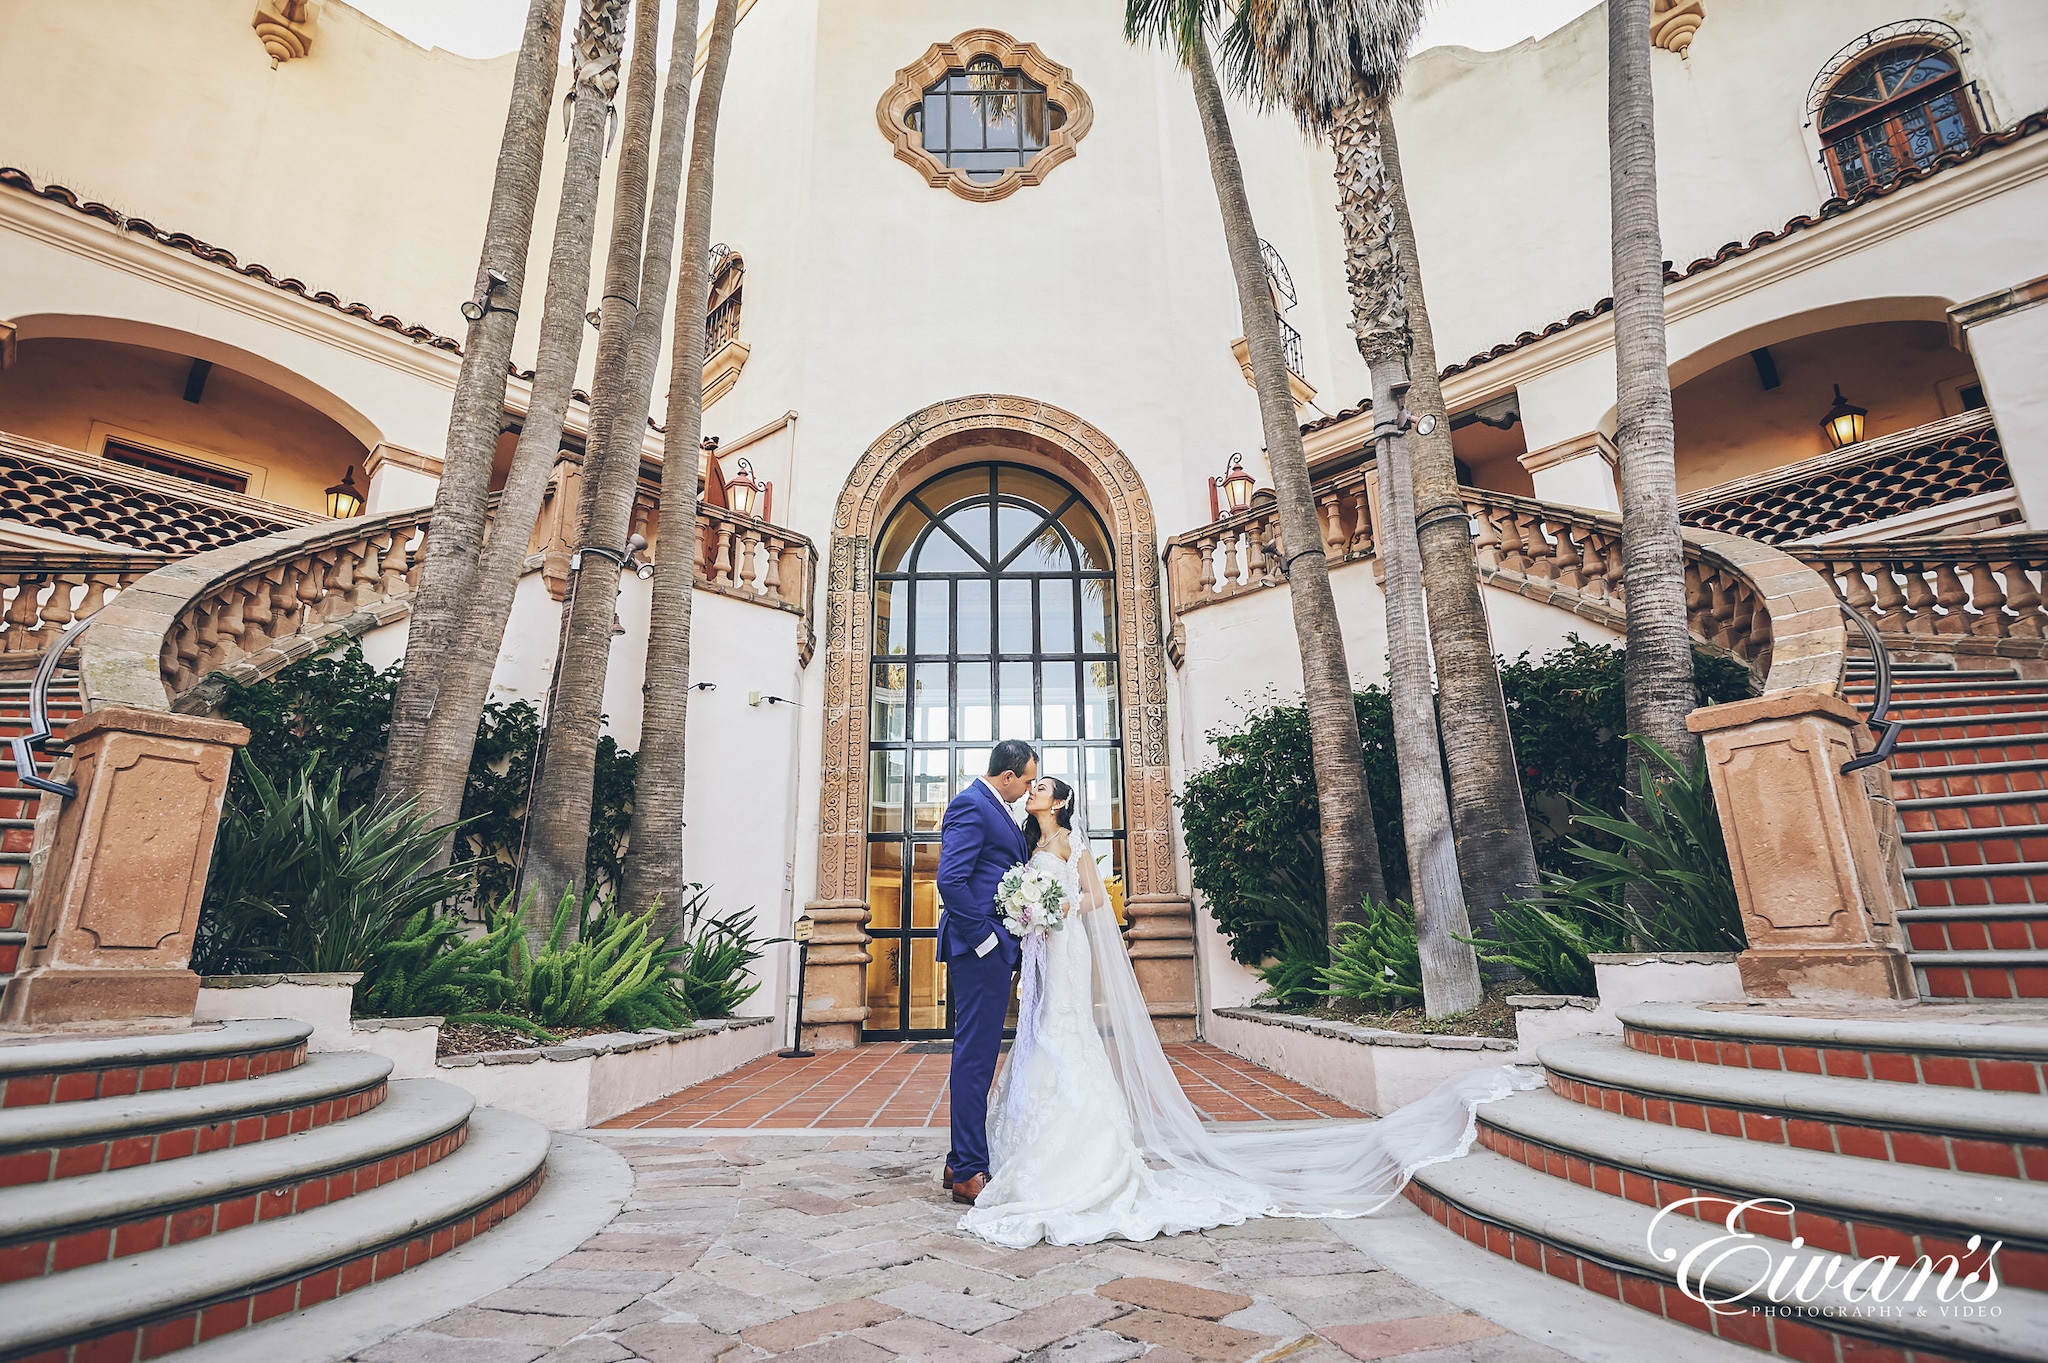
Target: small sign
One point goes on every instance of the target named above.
(801, 930)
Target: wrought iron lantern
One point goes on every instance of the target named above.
(1236, 485)
(1844, 421)
(743, 490)
(343, 499)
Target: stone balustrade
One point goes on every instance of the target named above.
(1978, 595)
(41, 593)
(1243, 553)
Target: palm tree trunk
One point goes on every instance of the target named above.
(1496, 856)
(1351, 851)
(629, 344)
(1450, 970)
(654, 858)
(465, 668)
(1657, 671)
(455, 537)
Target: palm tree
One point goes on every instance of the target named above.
(654, 857)
(558, 819)
(461, 503)
(461, 675)
(1657, 667)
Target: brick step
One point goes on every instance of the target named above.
(2012, 721)
(39, 1070)
(71, 1140)
(1935, 706)
(1992, 832)
(13, 941)
(1949, 1046)
(1977, 886)
(1998, 1134)
(1981, 974)
(1601, 1243)
(147, 1304)
(1841, 1207)
(1958, 752)
(48, 1228)
(1970, 683)
(1979, 927)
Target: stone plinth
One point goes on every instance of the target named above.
(1162, 942)
(1803, 845)
(835, 1001)
(117, 903)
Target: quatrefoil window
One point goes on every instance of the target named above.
(984, 115)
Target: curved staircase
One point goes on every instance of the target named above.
(18, 806)
(1900, 1131)
(159, 1190)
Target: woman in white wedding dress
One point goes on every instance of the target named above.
(1092, 1137)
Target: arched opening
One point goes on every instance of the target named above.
(1894, 100)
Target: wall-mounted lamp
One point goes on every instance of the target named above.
(343, 499)
(1844, 421)
(629, 562)
(1232, 492)
(744, 492)
(475, 308)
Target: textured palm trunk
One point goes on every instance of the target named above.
(1496, 855)
(465, 668)
(455, 537)
(1658, 668)
(629, 345)
(654, 858)
(1379, 319)
(1351, 851)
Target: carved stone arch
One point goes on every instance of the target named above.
(1161, 927)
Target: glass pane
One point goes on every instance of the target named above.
(927, 986)
(1089, 541)
(1056, 615)
(885, 884)
(1017, 702)
(897, 538)
(885, 791)
(973, 617)
(885, 725)
(948, 490)
(1046, 553)
(934, 121)
(941, 553)
(924, 885)
(970, 523)
(977, 706)
(1015, 597)
(934, 619)
(931, 722)
(968, 766)
(1029, 486)
(1099, 691)
(1098, 615)
(892, 625)
(1059, 706)
(1063, 763)
(885, 1003)
(1031, 120)
(1104, 801)
(929, 790)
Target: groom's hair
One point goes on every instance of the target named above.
(1011, 755)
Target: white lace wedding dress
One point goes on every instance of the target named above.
(1092, 1138)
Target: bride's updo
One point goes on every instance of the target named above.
(1062, 813)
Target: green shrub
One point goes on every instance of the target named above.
(1550, 940)
(1376, 963)
(1293, 975)
(615, 973)
(431, 967)
(712, 974)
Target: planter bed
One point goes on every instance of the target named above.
(1370, 1068)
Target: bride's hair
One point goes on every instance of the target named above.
(1062, 813)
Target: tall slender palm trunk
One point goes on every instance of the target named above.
(455, 537)
(1496, 855)
(654, 859)
(1450, 969)
(465, 669)
(1657, 671)
(1351, 851)
(558, 822)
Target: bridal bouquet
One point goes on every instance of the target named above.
(1030, 902)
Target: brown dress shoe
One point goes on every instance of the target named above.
(946, 1177)
(970, 1190)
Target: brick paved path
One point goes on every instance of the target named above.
(838, 1247)
(897, 1085)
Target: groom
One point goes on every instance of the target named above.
(979, 842)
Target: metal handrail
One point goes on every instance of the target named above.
(24, 745)
(1887, 730)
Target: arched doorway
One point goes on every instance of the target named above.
(994, 618)
(1066, 452)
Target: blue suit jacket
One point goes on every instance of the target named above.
(979, 843)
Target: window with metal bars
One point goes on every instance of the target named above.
(1895, 110)
(985, 119)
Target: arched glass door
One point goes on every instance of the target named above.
(995, 618)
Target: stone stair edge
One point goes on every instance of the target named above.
(1366, 1036)
(1952, 913)
(608, 1043)
(24, 1053)
(503, 1151)
(2001, 1040)
(416, 1112)
(1605, 1061)
(1956, 1205)
(328, 1074)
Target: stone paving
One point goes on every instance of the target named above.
(838, 1247)
(904, 1085)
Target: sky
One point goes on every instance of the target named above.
(490, 28)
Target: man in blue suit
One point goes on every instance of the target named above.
(978, 844)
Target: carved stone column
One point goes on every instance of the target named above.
(835, 985)
(116, 906)
(1817, 897)
(1162, 942)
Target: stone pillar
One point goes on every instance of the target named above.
(835, 1001)
(1161, 935)
(117, 902)
(1810, 871)
(2006, 334)
(1576, 472)
(399, 478)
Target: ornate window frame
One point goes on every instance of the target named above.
(912, 81)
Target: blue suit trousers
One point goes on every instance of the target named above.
(980, 986)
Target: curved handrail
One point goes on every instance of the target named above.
(24, 745)
(1887, 730)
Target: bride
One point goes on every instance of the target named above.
(1090, 1135)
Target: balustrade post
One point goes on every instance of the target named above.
(1953, 599)
(2023, 599)
(1230, 577)
(1991, 621)
(1920, 599)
